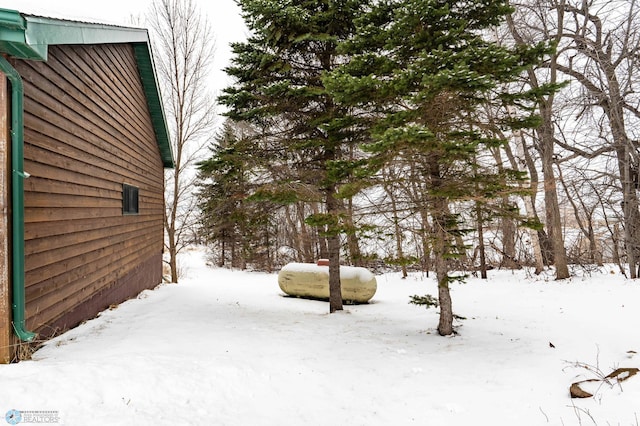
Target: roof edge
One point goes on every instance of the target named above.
(42, 32)
(29, 37)
(147, 70)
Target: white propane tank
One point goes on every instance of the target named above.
(309, 280)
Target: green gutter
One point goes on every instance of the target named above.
(17, 201)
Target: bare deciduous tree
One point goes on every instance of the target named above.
(602, 55)
(184, 44)
(544, 134)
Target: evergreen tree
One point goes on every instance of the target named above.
(225, 180)
(279, 87)
(421, 69)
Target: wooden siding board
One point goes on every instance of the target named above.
(88, 73)
(83, 170)
(72, 276)
(139, 97)
(73, 270)
(102, 75)
(64, 227)
(35, 215)
(6, 334)
(52, 201)
(87, 138)
(45, 309)
(36, 184)
(121, 290)
(92, 157)
(54, 276)
(67, 246)
(126, 63)
(87, 131)
(70, 176)
(75, 99)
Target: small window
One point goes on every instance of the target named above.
(129, 199)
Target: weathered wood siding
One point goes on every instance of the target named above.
(87, 131)
(6, 331)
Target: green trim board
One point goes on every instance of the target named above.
(147, 71)
(29, 37)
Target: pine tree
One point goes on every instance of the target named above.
(421, 69)
(306, 136)
(226, 216)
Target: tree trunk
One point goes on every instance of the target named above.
(445, 324)
(509, 244)
(426, 245)
(616, 247)
(305, 238)
(534, 236)
(173, 261)
(441, 241)
(396, 230)
(483, 261)
(508, 240)
(322, 243)
(223, 249)
(295, 238)
(184, 48)
(352, 239)
(546, 148)
(595, 255)
(528, 200)
(333, 243)
(233, 255)
(631, 214)
(529, 205)
(552, 208)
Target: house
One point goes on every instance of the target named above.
(83, 148)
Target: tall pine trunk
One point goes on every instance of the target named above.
(441, 237)
(441, 249)
(333, 244)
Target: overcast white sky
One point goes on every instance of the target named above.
(224, 16)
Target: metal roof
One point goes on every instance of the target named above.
(28, 37)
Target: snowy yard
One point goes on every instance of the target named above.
(226, 348)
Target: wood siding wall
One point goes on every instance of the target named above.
(87, 131)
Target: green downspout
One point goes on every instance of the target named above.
(17, 200)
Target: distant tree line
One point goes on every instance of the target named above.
(429, 135)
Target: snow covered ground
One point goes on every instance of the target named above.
(226, 348)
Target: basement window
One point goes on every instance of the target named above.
(129, 199)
